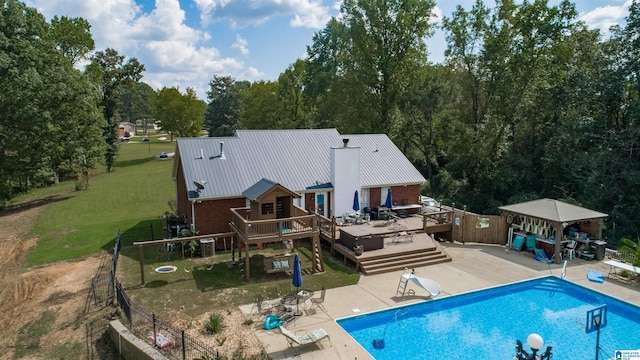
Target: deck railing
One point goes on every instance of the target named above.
(254, 231)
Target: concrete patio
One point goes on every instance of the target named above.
(473, 267)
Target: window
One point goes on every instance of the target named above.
(267, 208)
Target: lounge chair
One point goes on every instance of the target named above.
(309, 338)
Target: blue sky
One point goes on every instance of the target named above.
(186, 42)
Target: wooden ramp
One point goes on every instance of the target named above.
(414, 249)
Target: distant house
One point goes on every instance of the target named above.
(126, 127)
(313, 170)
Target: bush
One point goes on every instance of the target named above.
(214, 324)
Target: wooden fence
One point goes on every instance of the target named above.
(474, 228)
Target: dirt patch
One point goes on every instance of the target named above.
(27, 293)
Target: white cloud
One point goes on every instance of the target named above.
(242, 13)
(173, 53)
(604, 17)
(241, 44)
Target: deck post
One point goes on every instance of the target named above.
(141, 260)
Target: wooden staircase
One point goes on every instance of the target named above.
(401, 260)
(318, 262)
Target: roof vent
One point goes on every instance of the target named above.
(221, 150)
(345, 142)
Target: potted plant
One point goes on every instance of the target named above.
(357, 248)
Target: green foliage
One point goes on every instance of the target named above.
(214, 324)
(45, 104)
(631, 248)
(73, 37)
(223, 111)
(361, 63)
(181, 115)
(110, 72)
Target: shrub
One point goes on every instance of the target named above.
(214, 324)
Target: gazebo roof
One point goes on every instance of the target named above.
(553, 210)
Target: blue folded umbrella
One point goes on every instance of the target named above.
(595, 276)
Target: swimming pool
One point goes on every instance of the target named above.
(485, 324)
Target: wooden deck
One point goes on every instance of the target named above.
(405, 245)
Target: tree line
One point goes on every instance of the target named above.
(528, 103)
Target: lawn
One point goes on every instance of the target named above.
(77, 223)
(191, 290)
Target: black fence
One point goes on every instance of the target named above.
(102, 285)
(170, 341)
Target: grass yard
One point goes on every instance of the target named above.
(134, 194)
(209, 283)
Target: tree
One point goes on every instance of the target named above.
(261, 108)
(180, 115)
(136, 102)
(110, 71)
(295, 112)
(365, 61)
(223, 111)
(48, 112)
(73, 37)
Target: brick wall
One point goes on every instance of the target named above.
(213, 216)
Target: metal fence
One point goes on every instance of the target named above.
(170, 341)
(102, 285)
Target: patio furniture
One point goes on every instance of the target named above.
(319, 301)
(309, 338)
(278, 263)
(570, 249)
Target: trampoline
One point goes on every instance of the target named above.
(166, 269)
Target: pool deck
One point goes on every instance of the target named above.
(473, 267)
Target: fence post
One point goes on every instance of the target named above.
(155, 336)
(152, 235)
(184, 351)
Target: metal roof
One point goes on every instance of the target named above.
(296, 159)
(258, 189)
(554, 210)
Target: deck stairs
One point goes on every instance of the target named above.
(401, 260)
(318, 262)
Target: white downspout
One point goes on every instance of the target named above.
(193, 216)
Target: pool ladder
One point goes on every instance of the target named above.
(402, 284)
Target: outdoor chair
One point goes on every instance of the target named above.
(319, 301)
(309, 338)
(262, 305)
(570, 250)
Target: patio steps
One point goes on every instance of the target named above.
(402, 260)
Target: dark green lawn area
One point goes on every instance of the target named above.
(134, 194)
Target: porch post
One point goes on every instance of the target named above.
(557, 253)
(246, 261)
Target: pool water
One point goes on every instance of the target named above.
(485, 324)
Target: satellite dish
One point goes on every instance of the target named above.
(199, 185)
(510, 219)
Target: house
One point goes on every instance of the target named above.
(314, 170)
(126, 129)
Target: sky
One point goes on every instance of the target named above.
(185, 43)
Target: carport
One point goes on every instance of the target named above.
(548, 219)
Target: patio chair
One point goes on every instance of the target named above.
(309, 338)
(319, 301)
(569, 249)
(262, 305)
